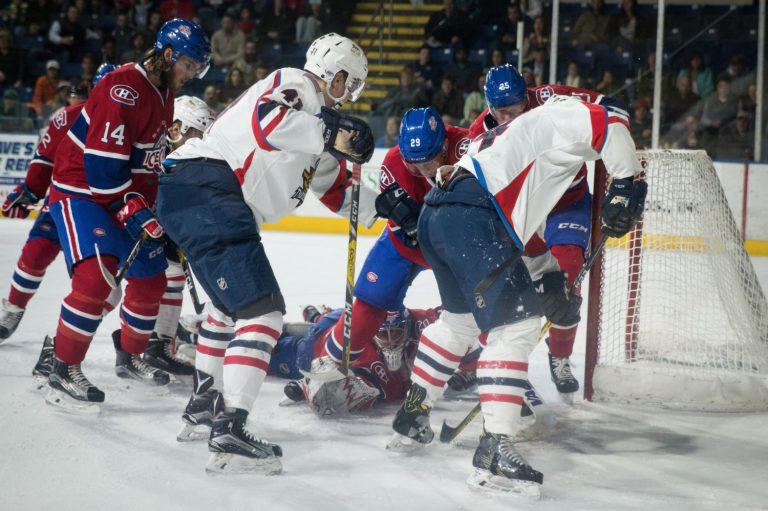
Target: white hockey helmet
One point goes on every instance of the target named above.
(192, 112)
(332, 53)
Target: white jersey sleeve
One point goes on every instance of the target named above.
(527, 164)
(329, 184)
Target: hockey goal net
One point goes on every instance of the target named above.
(677, 317)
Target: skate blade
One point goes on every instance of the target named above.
(66, 403)
(484, 481)
(127, 375)
(226, 463)
(40, 383)
(463, 395)
(193, 433)
(401, 444)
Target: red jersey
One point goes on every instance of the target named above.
(393, 171)
(118, 142)
(40, 169)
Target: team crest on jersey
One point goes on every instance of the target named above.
(124, 94)
(544, 93)
(155, 156)
(461, 147)
(371, 277)
(98, 231)
(60, 120)
(386, 176)
(306, 178)
(380, 371)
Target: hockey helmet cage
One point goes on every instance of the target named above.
(331, 53)
(392, 337)
(422, 133)
(192, 112)
(100, 73)
(185, 38)
(504, 86)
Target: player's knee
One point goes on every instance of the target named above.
(146, 290)
(87, 279)
(272, 302)
(454, 332)
(38, 254)
(462, 325)
(521, 334)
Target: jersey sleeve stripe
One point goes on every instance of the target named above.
(335, 196)
(78, 142)
(263, 112)
(617, 119)
(40, 160)
(71, 189)
(598, 117)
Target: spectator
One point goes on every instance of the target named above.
(641, 125)
(389, 139)
(475, 102)
(497, 58)
(108, 52)
(720, 108)
(508, 27)
(631, 30)
(536, 40)
(400, 99)
(39, 16)
(645, 79)
(737, 72)
(701, 76)
(10, 75)
(260, 72)
(277, 24)
(45, 88)
(532, 8)
(88, 65)
(12, 117)
(445, 26)
(448, 100)
(682, 101)
(748, 103)
(608, 86)
(15, 15)
(227, 43)
(425, 72)
(138, 49)
(140, 13)
(61, 99)
(693, 137)
(154, 23)
(123, 33)
(573, 78)
(308, 27)
(592, 26)
(527, 75)
(68, 35)
(211, 98)
(463, 71)
(539, 67)
(234, 85)
(246, 23)
(249, 60)
(170, 9)
(736, 140)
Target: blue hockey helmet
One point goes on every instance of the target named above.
(186, 38)
(422, 134)
(392, 337)
(504, 86)
(103, 70)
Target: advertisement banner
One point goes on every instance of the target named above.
(16, 151)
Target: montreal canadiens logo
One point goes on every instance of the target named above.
(380, 371)
(98, 231)
(386, 176)
(124, 94)
(461, 147)
(544, 94)
(60, 120)
(371, 277)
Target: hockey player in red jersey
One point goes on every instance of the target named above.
(42, 245)
(569, 224)
(407, 174)
(102, 191)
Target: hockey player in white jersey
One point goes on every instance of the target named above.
(473, 229)
(280, 139)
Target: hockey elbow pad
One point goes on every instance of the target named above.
(559, 308)
(623, 206)
(395, 203)
(346, 138)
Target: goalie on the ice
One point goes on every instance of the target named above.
(475, 225)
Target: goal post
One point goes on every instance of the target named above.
(676, 315)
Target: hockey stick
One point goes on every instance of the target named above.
(351, 257)
(114, 282)
(190, 282)
(448, 433)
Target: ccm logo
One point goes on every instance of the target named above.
(568, 225)
(124, 94)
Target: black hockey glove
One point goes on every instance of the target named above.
(358, 148)
(395, 203)
(623, 206)
(558, 308)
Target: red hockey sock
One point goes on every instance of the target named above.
(138, 312)
(366, 320)
(571, 260)
(561, 341)
(81, 310)
(35, 258)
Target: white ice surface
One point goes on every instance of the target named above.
(593, 456)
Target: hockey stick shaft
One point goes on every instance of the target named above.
(351, 258)
(448, 433)
(191, 287)
(114, 281)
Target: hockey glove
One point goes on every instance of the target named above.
(136, 217)
(346, 138)
(623, 206)
(15, 205)
(558, 308)
(395, 203)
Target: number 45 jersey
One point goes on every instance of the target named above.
(118, 142)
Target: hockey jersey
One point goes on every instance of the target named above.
(393, 170)
(40, 170)
(526, 165)
(118, 142)
(272, 138)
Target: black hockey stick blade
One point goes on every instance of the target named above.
(448, 433)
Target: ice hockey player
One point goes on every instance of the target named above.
(474, 227)
(192, 116)
(568, 226)
(102, 191)
(407, 174)
(280, 139)
(42, 245)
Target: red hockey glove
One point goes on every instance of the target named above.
(136, 217)
(15, 205)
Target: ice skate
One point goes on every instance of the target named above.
(562, 376)
(462, 385)
(71, 390)
(198, 415)
(237, 450)
(133, 367)
(324, 369)
(294, 394)
(499, 468)
(44, 363)
(411, 424)
(10, 316)
(160, 355)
